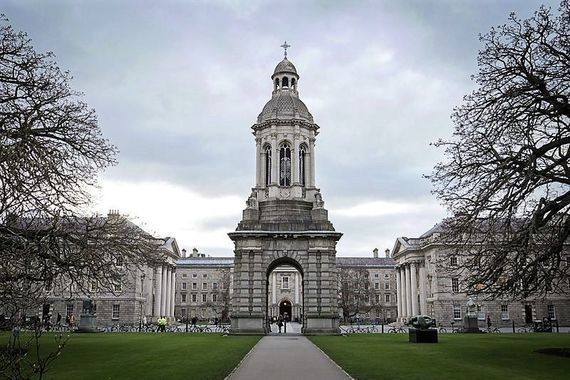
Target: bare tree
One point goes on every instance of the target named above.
(355, 292)
(506, 177)
(51, 151)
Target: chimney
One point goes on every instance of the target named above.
(387, 252)
(184, 252)
(113, 214)
(375, 252)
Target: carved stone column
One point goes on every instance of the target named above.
(408, 292)
(163, 292)
(414, 288)
(173, 293)
(168, 291)
(158, 292)
(423, 295)
(399, 291)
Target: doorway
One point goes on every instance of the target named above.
(285, 309)
(527, 314)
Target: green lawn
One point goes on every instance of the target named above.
(147, 356)
(482, 356)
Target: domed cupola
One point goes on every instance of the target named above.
(285, 103)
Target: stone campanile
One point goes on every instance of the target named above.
(285, 222)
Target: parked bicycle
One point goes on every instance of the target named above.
(397, 330)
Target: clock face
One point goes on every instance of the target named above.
(285, 193)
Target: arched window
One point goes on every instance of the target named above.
(276, 83)
(285, 82)
(267, 165)
(285, 165)
(302, 163)
(293, 83)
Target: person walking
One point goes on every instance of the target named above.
(489, 323)
(162, 324)
(194, 320)
(280, 323)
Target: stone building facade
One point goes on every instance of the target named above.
(424, 288)
(284, 294)
(383, 287)
(144, 294)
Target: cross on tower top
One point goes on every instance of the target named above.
(285, 46)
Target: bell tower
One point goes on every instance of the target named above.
(285, 221)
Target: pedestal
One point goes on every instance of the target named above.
(87, 323)
(470, 324)
(423, 336)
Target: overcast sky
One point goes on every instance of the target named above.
(178, 84)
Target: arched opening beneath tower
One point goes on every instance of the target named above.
(284, 296)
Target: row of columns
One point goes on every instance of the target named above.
(165, 291)
(411, 298)
(275, 162)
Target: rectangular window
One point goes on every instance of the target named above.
(183, 286)
(194, 298)
(480, 313)
(552, 312)
(183, 312)
(204, 297)
(183, 298)
(183, 276)
(215, 286)
(376, 285)
(204, 286)
(377, 298)
(68, 309)
(455, 285)
(194, 275)
(376, 275)
(456, 312)
(387, 286)
(205, 275)
(504, 312)
(285, 282)
(453, 261)
(387, 297)
(194, 286)
(116, 311)
(93, 286)
(214, 297)
(366, 285)
(367, 299)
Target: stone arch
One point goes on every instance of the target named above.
(258, 253)
(296, 261)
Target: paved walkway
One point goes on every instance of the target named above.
(292, 328)
(287, 357)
